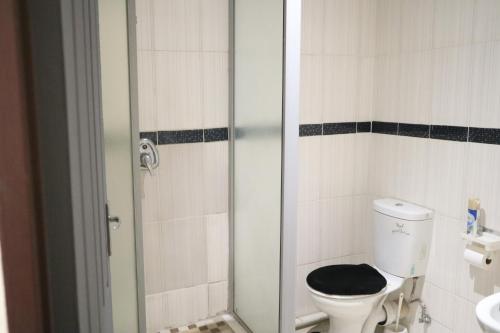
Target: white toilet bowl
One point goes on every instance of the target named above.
(348, 314)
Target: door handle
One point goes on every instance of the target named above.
(114, 222)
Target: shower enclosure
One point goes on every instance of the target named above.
(214, 86)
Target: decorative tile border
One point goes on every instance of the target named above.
(439, 132)
(414, 130)
(310, 129)
(334, 128)
(187, 136)
(484, 135)
(450, 133)
(384, 127)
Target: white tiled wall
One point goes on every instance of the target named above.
(183, 84)
(432, 62)
(338, 57)
(448, 76)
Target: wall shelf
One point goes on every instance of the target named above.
(488, 240)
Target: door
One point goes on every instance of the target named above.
(120, 162)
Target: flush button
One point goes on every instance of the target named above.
(399, 204)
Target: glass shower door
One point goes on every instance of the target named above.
(257, 158)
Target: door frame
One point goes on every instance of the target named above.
(64, 41)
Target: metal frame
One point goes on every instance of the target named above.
(136, 170)
(290, 137)
(231, 136)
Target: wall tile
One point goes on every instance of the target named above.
(340, 88)
(311, 89)
(416, 25)
(416, 87)
(309, 168)
(487, 21)
(483, 181)
(453, 22)
(368, 27)
(365, 89)
(446, 249)
(312, 26)
(175, 254)
(179, 87)
(342, 23)
(181, 181)
(144, 14)
(217, 247)
(177, 25)
(439, 303)
(388, 26)
(465, 317)
(217, 298)
(387, 88)
(215, 89)
(446, 178)
(362, 164)
(362, 226)
(176, 308)
(303, 300)
(308, 232)
(337, 227)
(411, 170)
(148, 117)
(337, 165)
(384, 165)
(149, 196)
(215, 25)
(486, 86)
(451, 86)
(215, 177)
(434, 327)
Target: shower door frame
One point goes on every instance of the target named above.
(292, 11)
(136, 171)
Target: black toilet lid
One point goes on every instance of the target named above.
(346, 280)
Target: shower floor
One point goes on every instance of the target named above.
(220, 324)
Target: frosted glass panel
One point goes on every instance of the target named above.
(258, 44)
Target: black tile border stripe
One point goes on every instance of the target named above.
(384, 127)
(414, 130)
(484, 135)
(187, 136)
(339, 128)
(439, 132)
(310, 129)
(364, 127)
(153, 136)
(450, 133)
(215, 134)
(184, 136)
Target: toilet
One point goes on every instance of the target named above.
(355, 296)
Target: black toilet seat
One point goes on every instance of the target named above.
(347, 280)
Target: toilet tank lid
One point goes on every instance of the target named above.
(402, 210)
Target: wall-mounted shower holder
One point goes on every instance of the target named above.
(148, 154)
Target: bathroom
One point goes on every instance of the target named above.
(263, 158)
(393, 99)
